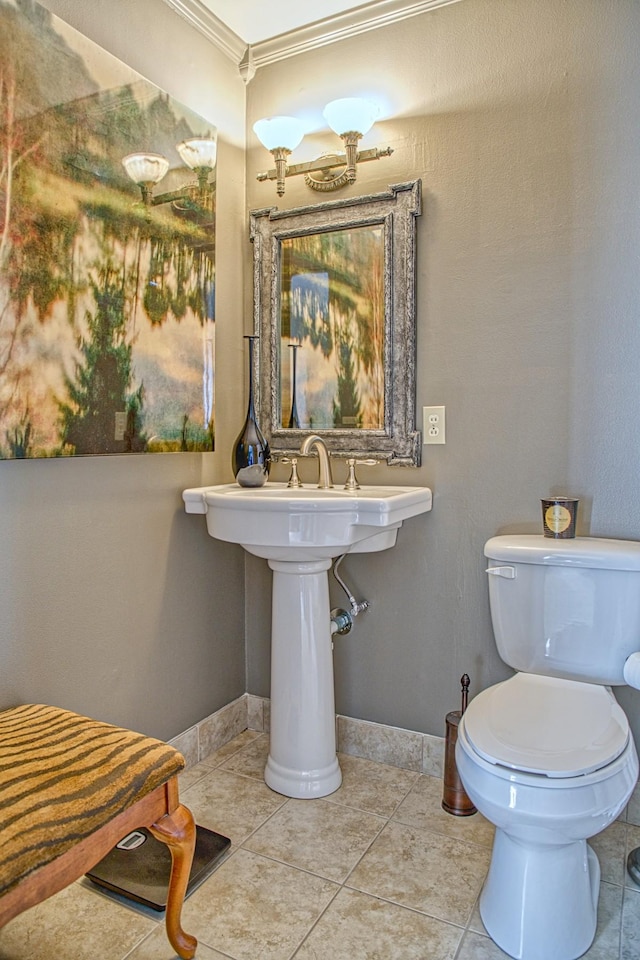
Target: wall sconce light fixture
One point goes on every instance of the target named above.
(280, 135)
(148, 169)
(350, 118)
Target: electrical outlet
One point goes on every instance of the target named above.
(433, 425)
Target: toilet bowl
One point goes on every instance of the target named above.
(550, 762)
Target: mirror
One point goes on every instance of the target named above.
(334, 310)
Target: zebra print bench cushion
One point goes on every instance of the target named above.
(62, 777)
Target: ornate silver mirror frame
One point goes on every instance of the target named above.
(394, 211)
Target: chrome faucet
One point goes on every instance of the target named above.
(325, 480)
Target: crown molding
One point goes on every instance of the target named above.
(369, 16)
(249, 58)
(206, 22)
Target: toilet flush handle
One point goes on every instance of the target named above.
(631, 671)
(509, 573)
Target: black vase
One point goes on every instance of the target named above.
(251, 455)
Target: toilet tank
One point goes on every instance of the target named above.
(565, 608)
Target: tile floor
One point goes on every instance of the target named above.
(377, 871)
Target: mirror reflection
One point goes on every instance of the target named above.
(332, 330)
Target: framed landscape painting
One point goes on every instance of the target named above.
(107, 276)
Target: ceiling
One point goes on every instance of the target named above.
(254, 33)
(257, 20)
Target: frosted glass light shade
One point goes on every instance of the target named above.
(198, 153)
(350, 115)
(145, 167)
(274, 132)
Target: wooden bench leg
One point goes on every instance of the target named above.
(178, 831)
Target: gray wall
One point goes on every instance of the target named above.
(113, 601)
(521, 119)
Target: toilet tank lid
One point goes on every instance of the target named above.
(591, 552)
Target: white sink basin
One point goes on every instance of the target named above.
(278, 523)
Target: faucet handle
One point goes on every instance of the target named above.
(352, 482)
(294, 480)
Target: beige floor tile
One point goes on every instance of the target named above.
(606, 943)
(422, 870)
(231, 805)
(216, 757)
(250, 761)
(156, 947)
(191, 776)
(366, 785)
(633, 807)
(475, 923)
(422, 808)
(476, 947)
(630, 938)
(633, 841)
(253, 908)
(318, 836)
(76, 924)
(359, 927)
(374, 787)
(610, 846)
(413, 885)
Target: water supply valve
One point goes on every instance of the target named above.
(341, 621)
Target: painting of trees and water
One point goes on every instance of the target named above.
(332, 329)
(106, 302)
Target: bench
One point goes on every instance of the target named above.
(70, 789)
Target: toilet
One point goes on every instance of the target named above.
(547, 756)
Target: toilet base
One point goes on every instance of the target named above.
(539, 901)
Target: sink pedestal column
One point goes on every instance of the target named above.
(302, 759)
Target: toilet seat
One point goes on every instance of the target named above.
(547, 726)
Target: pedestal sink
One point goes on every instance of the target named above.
(300, 532)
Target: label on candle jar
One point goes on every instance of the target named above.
(557, 518)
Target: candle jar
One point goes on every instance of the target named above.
(559, 517)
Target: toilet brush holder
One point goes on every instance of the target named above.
(633, 865)
(454, 797)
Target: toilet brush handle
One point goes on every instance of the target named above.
(465, 682)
